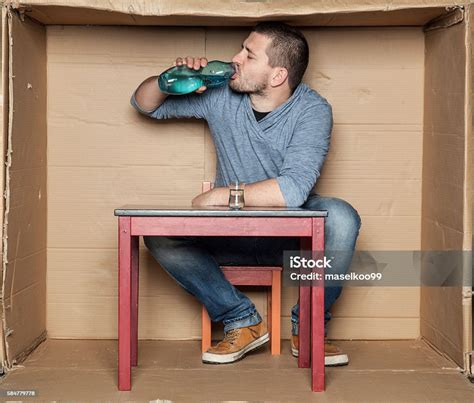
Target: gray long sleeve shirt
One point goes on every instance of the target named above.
(289, 144)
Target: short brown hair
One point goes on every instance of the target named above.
(288, 49)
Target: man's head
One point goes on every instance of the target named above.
(272, 56)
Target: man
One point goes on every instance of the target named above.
(271, 132)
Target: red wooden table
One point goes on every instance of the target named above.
(136, 221)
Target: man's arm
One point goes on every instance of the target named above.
(305, 154)
(301, 168)
(263, 193)
(148, 96)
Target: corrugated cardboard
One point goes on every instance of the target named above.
(24, 236)
(225, 13)
(101, 154)
(390, 154)
(445, 222)
(249, 8)
(4, 125)
(467, 294)
(248, 13)
(84, 370)
(3, 102)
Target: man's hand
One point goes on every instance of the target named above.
(265, 193)
(215, 197)
(193, 63)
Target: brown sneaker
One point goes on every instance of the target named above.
(333, 355)
(236, 343)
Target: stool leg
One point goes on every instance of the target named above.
(206, 330)
(134, 324)
(269, 312)
(276, 312)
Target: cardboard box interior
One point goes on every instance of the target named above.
(75, 150)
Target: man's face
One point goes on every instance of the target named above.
(253, 71)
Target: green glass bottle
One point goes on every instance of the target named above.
(181, 80)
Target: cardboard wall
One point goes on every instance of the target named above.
(249, 15)
(446, 217)
(224, 13)
(24, 242)
(103, 154)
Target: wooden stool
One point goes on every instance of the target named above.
(269, 276)
(254, 276)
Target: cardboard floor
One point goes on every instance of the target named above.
(171, 370)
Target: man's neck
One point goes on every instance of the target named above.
(268, 102)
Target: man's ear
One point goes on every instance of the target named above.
(280, 75)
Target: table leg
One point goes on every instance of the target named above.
(134, 313)
(275, 312)
(124, 314)
(304, 322)
(317, 310)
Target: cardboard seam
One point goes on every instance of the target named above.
(28, 350)
(439, 334)
(440, 224)
(20, 291)
(436, 349)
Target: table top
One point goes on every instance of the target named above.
(214, 211)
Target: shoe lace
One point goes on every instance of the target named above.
(231, 336)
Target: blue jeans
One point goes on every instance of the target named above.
(193, 262)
